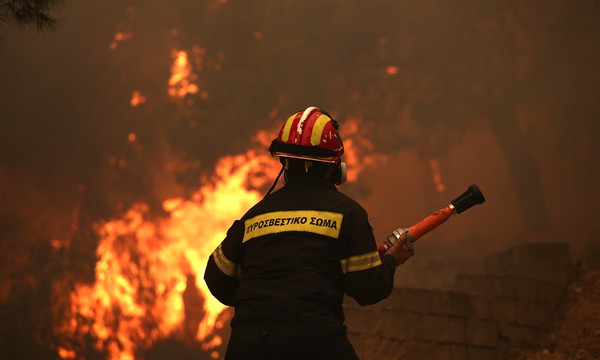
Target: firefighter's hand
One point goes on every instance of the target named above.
(399, 251)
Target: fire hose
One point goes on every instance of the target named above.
(464, 201)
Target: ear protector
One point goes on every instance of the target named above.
(340, 173)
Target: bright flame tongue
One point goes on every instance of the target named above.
(141, 273)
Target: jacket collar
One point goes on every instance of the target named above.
(309, 179)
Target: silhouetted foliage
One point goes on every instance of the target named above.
(37, 13)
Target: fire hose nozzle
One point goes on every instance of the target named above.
(468, 199)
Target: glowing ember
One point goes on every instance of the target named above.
(137, 98)
(182, 78)
(391, 70)
(437, 178)
(66, 354)
(57, 244)
(120, 37)
(258, 35)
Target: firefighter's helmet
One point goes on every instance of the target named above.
(311, 134)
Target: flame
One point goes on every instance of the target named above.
(358, 149)
(66, 354)
(140, 291)
(181, 80)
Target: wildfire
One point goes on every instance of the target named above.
(149, 274)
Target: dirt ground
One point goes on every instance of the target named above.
(573, 333)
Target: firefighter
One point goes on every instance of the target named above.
(287, 263)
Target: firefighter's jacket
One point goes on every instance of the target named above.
(294, 254)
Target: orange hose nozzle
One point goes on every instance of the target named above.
(466, 200)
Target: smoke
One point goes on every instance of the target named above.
(499, 94)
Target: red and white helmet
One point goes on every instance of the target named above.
(310, 135)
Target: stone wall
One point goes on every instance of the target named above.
(481, 318)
